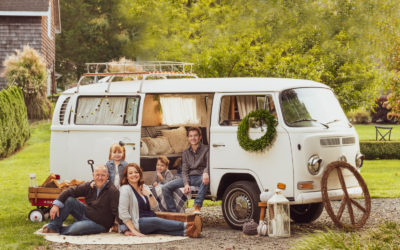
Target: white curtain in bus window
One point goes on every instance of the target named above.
(131, 111)
(101, 110)
(179, 110)
(246, 104)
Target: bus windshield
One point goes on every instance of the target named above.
(309, 107)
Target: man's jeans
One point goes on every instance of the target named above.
(170, 187)
(83, 225)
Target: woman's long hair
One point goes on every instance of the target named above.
(124, 179)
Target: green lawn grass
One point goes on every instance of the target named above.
(385, 236)
(382, 178)
(367, 132)
(16, 231)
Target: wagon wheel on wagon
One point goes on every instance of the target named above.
(358, 210)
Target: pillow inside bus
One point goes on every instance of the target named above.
(143, 148)
(177, 138)
(158, 145)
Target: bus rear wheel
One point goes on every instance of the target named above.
(240, 203)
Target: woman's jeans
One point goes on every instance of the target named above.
(170, 187)
(155, 225)
(83, 225)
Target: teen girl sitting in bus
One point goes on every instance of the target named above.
(137, 205)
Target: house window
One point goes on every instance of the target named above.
(234, 108)
(106, 110)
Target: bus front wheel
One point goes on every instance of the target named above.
(240, 203)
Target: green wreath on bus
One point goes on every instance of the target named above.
(261, 143)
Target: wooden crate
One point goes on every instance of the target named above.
(44, 193)
(176, 216)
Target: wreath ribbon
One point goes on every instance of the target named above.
(261, 143)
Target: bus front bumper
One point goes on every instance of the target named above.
(336, 194)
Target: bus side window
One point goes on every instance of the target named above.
(234, 108)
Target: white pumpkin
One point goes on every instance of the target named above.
(262, 228)
(266, 195)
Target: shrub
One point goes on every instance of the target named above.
(380, 149)
(27, 70)
(379, 112)
(14, 126)
(359, 117)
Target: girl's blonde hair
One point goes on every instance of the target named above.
(117, 148)
(163, 159)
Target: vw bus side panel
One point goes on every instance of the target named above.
(73, 145)
(268, 168)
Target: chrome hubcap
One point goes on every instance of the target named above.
(240, 206)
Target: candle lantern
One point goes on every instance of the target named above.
(278, 215)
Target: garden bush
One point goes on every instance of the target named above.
(380, 149)
(359, 117)
(27, 70)
(14, 126)
(379, 112)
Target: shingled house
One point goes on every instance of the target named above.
(33, 23)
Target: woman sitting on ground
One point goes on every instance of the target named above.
(137, 205)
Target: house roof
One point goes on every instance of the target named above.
(24, 5)
(31, 8)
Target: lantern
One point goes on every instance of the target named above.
(32, 180)
(278, 215)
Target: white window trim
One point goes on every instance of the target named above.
(49, 21)
(24, 13)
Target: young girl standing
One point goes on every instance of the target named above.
(116, 163)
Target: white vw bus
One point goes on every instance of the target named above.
(150, 113)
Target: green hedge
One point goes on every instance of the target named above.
(380, 149)
(14, 126)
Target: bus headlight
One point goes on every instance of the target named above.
(314, 164)
(359, 160)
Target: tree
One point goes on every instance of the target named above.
(93, 31)
(27, 70)
(338, 42)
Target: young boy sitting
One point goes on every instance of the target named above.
(162, 175)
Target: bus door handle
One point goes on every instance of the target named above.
(128, 144)
(218, 145)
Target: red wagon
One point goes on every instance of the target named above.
(42, 198)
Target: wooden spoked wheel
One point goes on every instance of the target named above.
(350, 213)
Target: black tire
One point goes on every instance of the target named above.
(306, 213)
(240, 203)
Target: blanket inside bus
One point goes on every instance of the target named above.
(180, 198)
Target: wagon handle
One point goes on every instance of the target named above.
(91, 162)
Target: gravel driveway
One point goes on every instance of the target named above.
(218, 235)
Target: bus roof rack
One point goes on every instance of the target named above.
(144, 70)
(139, 66)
